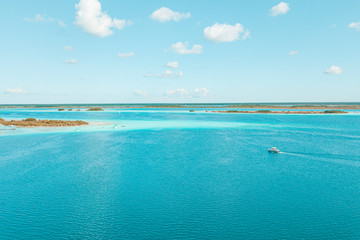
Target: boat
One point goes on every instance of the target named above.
(115, 126)
(273, 150)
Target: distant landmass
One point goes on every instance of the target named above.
(314, 106)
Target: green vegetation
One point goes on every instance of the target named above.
(334, 111)
(164, 106)
(70, 110)
(32, 122)
(296, 106)
(192, 111)
(245, 106)
(95, 109)
(284, 112)
(78, 110)
(61, 109)
(237, 111)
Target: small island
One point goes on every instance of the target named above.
(32, 122)
(95, 109)
(284, 112)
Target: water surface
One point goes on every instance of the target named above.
(176, 175)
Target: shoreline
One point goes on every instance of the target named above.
(340, 106)
(33, 123)
(284, 112)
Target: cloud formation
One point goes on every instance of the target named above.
(38, 18)
(91, 18)
(181, 48)
(68, 48)
(200, 92)
(44, 19)
(177, 93)
(292, 53)
(17, 90)
(334, 70)
(140, 93)
(183, 93)
(166, 74)
(174, 64)
(126, 55)
(246, 35)
(355, 25)
(165, 14)
(281, 8)
(225, 32)
(71, 61)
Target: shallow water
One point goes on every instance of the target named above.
(175, 174)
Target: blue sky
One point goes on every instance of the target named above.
(107, 51)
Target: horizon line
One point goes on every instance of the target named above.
(180, 103)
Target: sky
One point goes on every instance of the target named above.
(179, 51)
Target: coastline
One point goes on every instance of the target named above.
(290, 106)
(284, 112)
(32, 123)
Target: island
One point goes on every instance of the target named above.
(32, 122)
(284, 112)
(95, 109)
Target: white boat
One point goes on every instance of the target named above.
(273, 150)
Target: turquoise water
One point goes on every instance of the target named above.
(180, 175)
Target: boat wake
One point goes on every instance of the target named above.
(288, 153)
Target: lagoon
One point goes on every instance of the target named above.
(171, 174)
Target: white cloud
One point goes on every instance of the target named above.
(126, 55)
(37, 18)
(177, 93)
(182, 93)
(166, 74)
(334, 70)
(17, 90)
(140, 93)
(246, 34)
(68, 48)
(71, 61)
(355, 25)
(279, 9)
(42, 18)
(61, 24)
(225, 32)
(174, 64)
(93, 20)
(292, 53)
(181, 48)
(200, 92)
(165, 14)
